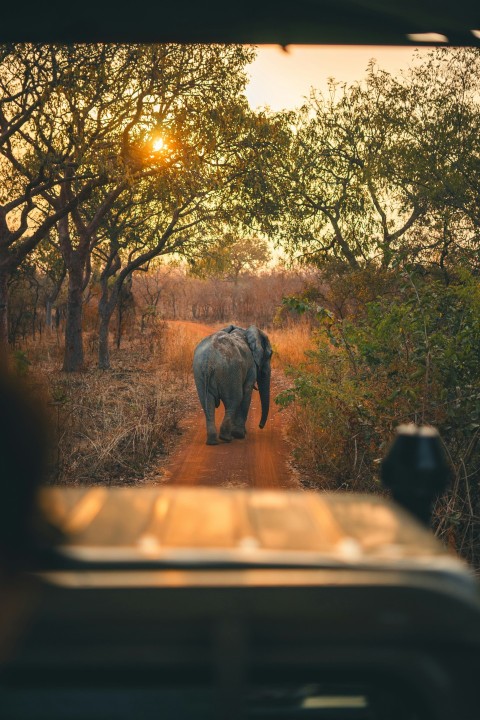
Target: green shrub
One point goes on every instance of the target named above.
(411, 355)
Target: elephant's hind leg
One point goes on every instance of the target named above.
(238, 426)
(226, 428)
(238, 429)
(232, 399)
(212, 437)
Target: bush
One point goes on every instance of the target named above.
(411, 355)
(111, 431)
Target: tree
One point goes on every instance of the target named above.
(340, 183)
(184, 185)
(434, 109)
(49, 262)
(87, 127)
(151, 115)
(28, 75)
(230, 256)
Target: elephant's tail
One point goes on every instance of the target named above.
(210, 384)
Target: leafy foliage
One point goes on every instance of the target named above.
(230, 256)
(411, 355)
(385, 169)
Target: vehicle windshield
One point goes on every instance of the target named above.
(237, 267)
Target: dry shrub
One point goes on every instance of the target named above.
(152, 336)
(111, 427)
(290, 344)
(180, 342)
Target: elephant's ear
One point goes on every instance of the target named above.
(254, 341)
(268, 348)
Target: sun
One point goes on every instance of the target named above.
(159, 144)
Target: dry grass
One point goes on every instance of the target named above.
(180, 340)
(290, 344)
(113, 427)
(110, 427)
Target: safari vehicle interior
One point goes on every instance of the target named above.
(204, 602)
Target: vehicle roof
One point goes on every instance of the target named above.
(333, 22)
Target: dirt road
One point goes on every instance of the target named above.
(260, 460)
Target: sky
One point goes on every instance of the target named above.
(281, 80)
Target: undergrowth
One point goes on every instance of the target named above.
(408, 355)
(110, 433)
(112, 427)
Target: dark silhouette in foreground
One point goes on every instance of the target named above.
(23, 456)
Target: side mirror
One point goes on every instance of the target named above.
(415, 469)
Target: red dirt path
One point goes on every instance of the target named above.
(260, 460)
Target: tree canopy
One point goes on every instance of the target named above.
(159, 133)
(230, 256)
(113, 155)
(383, 169)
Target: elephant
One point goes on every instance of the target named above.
(226, 366)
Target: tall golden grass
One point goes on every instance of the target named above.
(180, 339)
(179, 342)
(290, 344)
(112, 427)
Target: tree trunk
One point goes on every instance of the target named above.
(3, 311)
(73, 358)
(123, 301)
(52, 297)
(106, 306)
(103, 346)
(35, 313)
(48, 313)
(118, 339)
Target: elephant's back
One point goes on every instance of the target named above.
(222, 363)
(228, 345)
